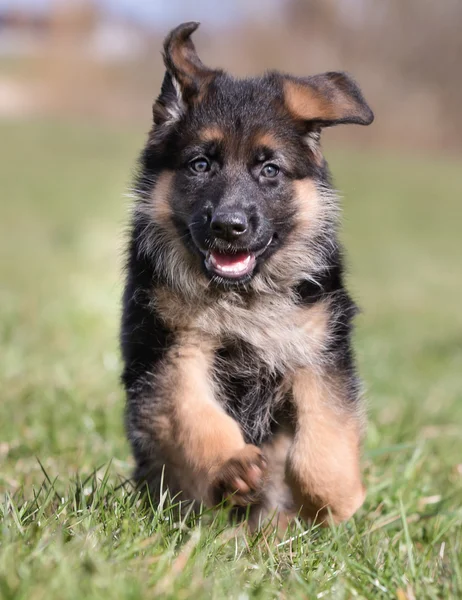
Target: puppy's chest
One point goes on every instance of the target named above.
(257, 348)
(254, 396)
(278, 334)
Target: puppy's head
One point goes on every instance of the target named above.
(233, 168)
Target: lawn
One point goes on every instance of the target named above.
(69, 526)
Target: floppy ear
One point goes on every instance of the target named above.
(327, 99)
(186, 76)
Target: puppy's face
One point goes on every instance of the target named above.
(235, 154)
(232, 193)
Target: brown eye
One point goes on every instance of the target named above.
(269, 171)
(200, 165)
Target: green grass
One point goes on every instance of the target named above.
(70, 529)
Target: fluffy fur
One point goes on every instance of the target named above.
(201, 348)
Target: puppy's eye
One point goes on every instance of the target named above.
(269, 170)
(200, 165)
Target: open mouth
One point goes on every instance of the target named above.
(236, 265)
(232, 266)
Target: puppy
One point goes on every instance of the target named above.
(239, 372)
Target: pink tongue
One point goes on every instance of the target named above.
(229, 260)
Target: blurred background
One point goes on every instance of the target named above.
(100, 59)
(77, 81)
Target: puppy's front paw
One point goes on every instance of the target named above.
(241, 479)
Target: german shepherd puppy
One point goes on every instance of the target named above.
(239, 371)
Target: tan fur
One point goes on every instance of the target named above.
(161, 209)
(267, 139)
(196, 435)
(283, 334)
(164, 245)
(311, 206)
(278, 494)
(323, 464)
(189, 67)
(242, 478)
(211, 134)
(307, 103)
(315, 209)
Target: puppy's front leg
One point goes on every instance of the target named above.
(323, 463)
(190, 435)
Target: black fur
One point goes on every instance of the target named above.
(144, 337)
(249, 392)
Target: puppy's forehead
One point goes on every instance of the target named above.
(242, 94)
(243, 114)
(240, 104)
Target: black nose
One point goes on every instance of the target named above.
(229, 225)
